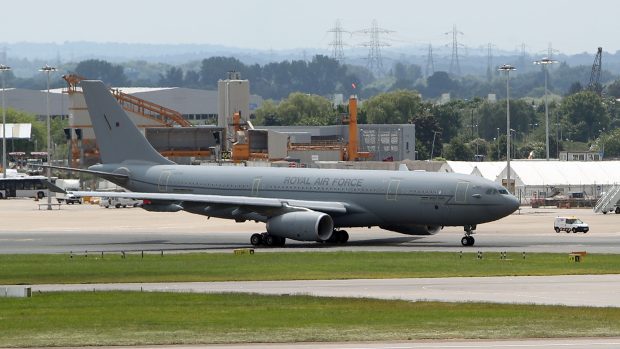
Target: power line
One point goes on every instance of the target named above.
(490, 68)
(375, 61)
(336, 44)
(430, 64)
(455, 67)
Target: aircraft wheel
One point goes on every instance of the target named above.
(256, 239)
(343, 237)
(471, 240)
(279, 241)
(269, 240)
(465, 241)
(334, 238)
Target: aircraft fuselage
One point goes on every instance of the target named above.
(372, 197)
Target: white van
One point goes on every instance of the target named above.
(570, 225)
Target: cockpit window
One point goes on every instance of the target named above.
(503, 191)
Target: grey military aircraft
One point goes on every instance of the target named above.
(297, 204)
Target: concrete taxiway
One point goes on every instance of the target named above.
(569, 290)
(76, 228)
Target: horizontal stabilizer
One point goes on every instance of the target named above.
(115, 177)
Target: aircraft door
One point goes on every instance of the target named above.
(162, 185)
(392, 190)
(460, 195)
(256, 186)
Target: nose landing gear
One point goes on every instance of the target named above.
(468, 239)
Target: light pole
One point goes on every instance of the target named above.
(530, 128)
(513, 133)
(48, 70)
(507, 68)
(498, 144)
(3, 69)
(433, 145)
(544, 62)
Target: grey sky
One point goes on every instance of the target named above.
(571, 27)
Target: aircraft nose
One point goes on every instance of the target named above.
(511, 204)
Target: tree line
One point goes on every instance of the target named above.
(466, 129)
(297, 92)
(324, 76)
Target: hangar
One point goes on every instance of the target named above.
(195, 105)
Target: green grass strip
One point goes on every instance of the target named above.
(134, 318)
(39, 269)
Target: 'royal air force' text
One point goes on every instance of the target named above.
(325, 181)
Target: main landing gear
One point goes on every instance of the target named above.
(267, 240)
(468, 239)
(339, 237)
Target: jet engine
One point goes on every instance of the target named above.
(302, 226)
(160, 206)
(414, 229)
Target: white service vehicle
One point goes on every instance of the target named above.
(119, 202)
(570, 225)
(68, 185)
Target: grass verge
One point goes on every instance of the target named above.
(134, 318)
(40, 269)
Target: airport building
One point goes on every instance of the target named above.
(35, 102)
(196, 106)
(535, 179)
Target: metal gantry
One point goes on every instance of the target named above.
(595, 75)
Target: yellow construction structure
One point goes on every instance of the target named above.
(160, 114)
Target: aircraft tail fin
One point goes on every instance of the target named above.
(118, 138)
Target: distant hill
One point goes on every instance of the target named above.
(472, 61)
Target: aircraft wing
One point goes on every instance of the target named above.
(257, 204)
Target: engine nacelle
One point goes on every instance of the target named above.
(157, 206)
(413, 229)
(302, 226)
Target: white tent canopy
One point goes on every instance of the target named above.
(541, 177)
(16, 130)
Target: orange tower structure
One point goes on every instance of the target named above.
(353, 153)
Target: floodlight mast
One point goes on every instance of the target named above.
(507, 68)
(544, 62)
(48, 70)
(3, 69)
